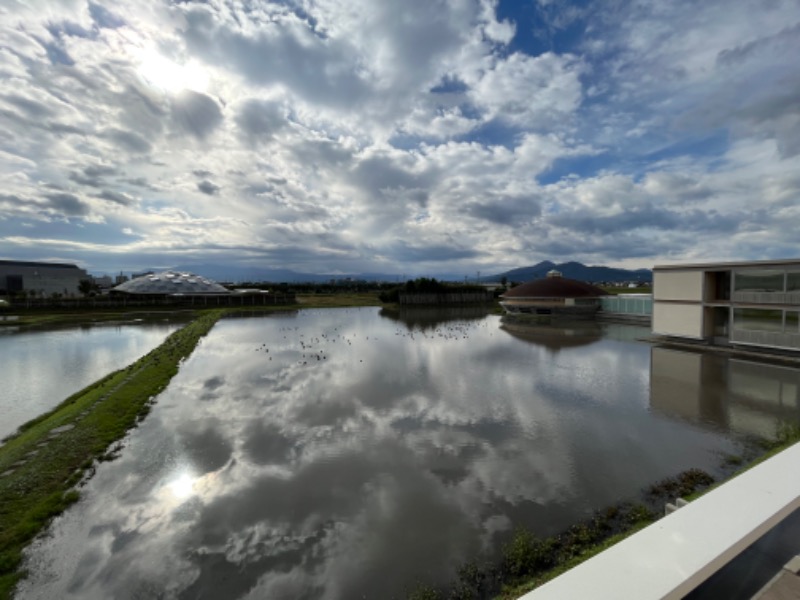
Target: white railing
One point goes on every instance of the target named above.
(760, 297)
(674, 555)
(774, 339)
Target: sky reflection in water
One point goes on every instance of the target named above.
(42, 367)
(356, 452)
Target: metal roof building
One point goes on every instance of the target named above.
(170, 283)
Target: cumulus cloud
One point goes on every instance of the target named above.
(375, 136)
(196, 113)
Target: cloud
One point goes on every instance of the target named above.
(128, 140)
(530, 91)
(117, 197)
(367, 136)
(208, 188)
(260, 120)
(67, 204)
(196, 113)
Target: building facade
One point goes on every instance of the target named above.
(553, 295)
(40, 279)
(753, 303)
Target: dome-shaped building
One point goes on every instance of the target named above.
(554, 295)
(170, 283)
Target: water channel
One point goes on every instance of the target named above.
(42, 366)
(354, 453)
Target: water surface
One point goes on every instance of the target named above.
(41, 367)
(354, 453)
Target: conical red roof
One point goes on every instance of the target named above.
(554, 287)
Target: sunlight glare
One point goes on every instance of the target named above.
(169, 76)
(182, 487)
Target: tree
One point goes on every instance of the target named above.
(87, 287)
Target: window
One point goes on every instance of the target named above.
(759, 281)
(792, 322)
(793, 282)
(755, 319)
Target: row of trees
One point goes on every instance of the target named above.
(425, 285)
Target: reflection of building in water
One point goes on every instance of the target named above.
(553, 337)
(753, 303)
(736, 395)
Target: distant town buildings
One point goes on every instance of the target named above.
(103, 281)
(40, 279)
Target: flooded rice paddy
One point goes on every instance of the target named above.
(41, 367)
(355, 453)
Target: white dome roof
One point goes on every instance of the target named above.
(171, 282)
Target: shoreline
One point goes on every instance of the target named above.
(43, 465)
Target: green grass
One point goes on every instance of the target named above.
(38, 317)
(34, 491)
(515, 591)
(338, 300)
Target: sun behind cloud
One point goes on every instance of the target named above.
(169, 76)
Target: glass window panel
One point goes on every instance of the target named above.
(759, 281)
(754, 319)
(792, 319)
(793, 282)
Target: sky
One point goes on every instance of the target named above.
(423, 136)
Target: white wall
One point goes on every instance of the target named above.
(684, 320)
(678, 285)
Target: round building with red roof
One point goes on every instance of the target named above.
(553, 295)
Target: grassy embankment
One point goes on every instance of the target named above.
(38, 317)
(41, 465)
(338, 300)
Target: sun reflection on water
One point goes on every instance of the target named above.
(182, 487)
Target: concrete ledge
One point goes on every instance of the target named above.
(671, 557)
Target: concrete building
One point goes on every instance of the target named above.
(554, 295)
(40, 279)
(740, 303)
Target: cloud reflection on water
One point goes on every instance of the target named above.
(403, 452)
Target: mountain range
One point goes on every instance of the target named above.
(572, 270)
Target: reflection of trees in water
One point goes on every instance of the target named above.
(553, 334)
(430, 317)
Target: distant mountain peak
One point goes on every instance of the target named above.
(574, 270)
